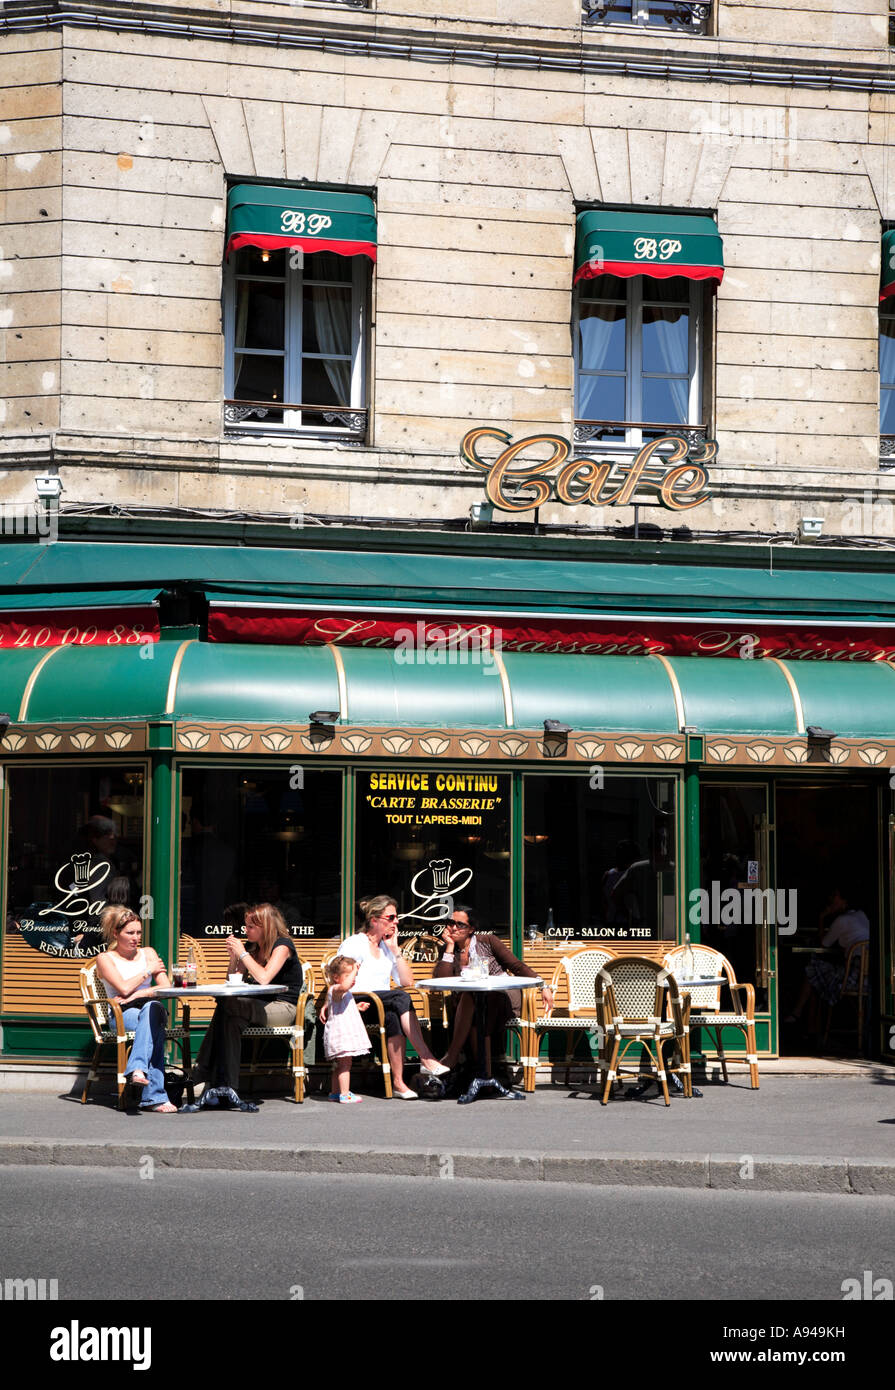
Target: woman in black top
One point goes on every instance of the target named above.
(267, 957)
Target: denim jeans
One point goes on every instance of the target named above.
(147, 1055)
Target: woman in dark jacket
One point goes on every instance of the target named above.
(464, 944)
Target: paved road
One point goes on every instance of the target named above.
(265, 1236)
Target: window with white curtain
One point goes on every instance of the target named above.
(296, 328)
(638, 351)
(887, 372)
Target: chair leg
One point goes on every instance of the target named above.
(122, 1078)
(92, 1072)
(752, 1048)
(187, 1059)
(660, 1071)
(386, 1065)
(610, 1073)
(721, 1058)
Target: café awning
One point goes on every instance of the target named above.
(191, 680)
(273, 217)
(661, 245)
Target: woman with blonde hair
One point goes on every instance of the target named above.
(128, 971)
(266, 957)
(375, 948)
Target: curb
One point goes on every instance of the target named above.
(771, 1173)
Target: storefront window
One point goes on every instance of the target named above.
(434, 839)
(599, 858)
(260, 835)
(75, 844)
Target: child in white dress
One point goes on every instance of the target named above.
(344, 1035)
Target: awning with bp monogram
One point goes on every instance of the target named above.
(641, 243)
(274, 217)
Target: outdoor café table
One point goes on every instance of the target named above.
(220, 991)
(480, 988)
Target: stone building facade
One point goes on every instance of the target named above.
(481, 136)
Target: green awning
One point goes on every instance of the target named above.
(887, 267)
(272, 217)
(643, 243)
(413, 580)
(215, 682)
(21, 600)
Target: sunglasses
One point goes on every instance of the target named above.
(388, 916)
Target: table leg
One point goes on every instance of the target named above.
(482, 1081)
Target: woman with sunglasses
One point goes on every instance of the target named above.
(375, 948)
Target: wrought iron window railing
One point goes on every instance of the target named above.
(887, 449)
(618, 432)
(332, 421)
(688, 16)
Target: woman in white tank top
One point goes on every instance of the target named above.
(128, 971)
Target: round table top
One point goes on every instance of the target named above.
(699, 982)
(218, 991)
(484, 984)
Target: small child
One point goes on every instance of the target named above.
(344, 1035)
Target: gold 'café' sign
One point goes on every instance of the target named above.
(666, 466)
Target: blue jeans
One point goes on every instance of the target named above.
(147, 1055)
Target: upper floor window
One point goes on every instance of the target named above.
(296, 310)
(690, 15)
(887, 349)
(640, 325)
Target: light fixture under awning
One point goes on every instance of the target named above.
(272, 218)
(661, 245)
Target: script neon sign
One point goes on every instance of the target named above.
(666, 467)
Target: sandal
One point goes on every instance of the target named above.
(138, 1078)
(166, 1109)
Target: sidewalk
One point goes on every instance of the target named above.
(798, 1134)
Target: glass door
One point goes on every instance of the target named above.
(738, 907)
(887, 1010)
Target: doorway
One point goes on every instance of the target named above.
(825, 833)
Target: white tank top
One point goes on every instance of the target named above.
(129, 970)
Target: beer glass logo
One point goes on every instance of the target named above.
(437, 902)
(81, 866)
(441, 873)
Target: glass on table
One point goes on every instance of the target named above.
(178, 975)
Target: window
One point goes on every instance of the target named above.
(599, 865)
(690, 15)
(887, 378)
(638, 346)
(887, 348)
(296, 309)
(296, 329)
(249, 835)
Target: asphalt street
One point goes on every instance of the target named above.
(171, 1234)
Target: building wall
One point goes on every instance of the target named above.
(477, 172)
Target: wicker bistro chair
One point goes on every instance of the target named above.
(629, 998)
(576, 972)
(705, 1002)
(859, 990)
(294, 1032)
(107, 1026)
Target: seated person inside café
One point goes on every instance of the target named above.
(128, 972)
(267, 956)
(464, 943)
(841, 925)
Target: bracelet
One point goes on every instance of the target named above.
(447, 958)
(244, 956)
